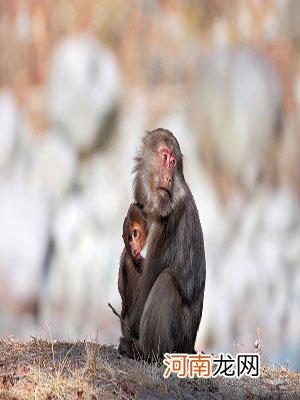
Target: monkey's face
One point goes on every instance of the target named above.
(136, 240)
(162, 179)
(135, 231)
(159, 183)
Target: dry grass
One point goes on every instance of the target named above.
(40, 369)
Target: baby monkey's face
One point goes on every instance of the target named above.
(136, 239)
(135, 232)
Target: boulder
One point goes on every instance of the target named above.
(9, 119)
(53, 165)
(238, 110)
(84, 89)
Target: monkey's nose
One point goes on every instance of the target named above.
(168, 180)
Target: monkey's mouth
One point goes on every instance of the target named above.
(164, 191)
(136, 254)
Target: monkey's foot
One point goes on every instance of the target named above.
(130, 348)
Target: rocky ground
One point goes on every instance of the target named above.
(40, 369)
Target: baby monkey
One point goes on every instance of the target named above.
(131, 263)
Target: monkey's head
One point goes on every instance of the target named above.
(159, 183)
(135, 231)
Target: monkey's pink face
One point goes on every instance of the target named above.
(165, 179)
(161, 179)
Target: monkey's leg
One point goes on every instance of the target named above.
(164, 326)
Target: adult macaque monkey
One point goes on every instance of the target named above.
(131, 262)
(168, 310)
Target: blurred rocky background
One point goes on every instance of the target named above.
(79, 83)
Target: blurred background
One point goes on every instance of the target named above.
(79, 83)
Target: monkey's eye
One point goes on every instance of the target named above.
(164, 156)
(135, 233)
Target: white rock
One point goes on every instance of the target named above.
(24, 239)
(23, 24)
(8, 122)
(84, 271)
(85, 88)
(104, 190)
(53, 166)
(68, 220)
(292, 248)
(238, 107)
(282, 212)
